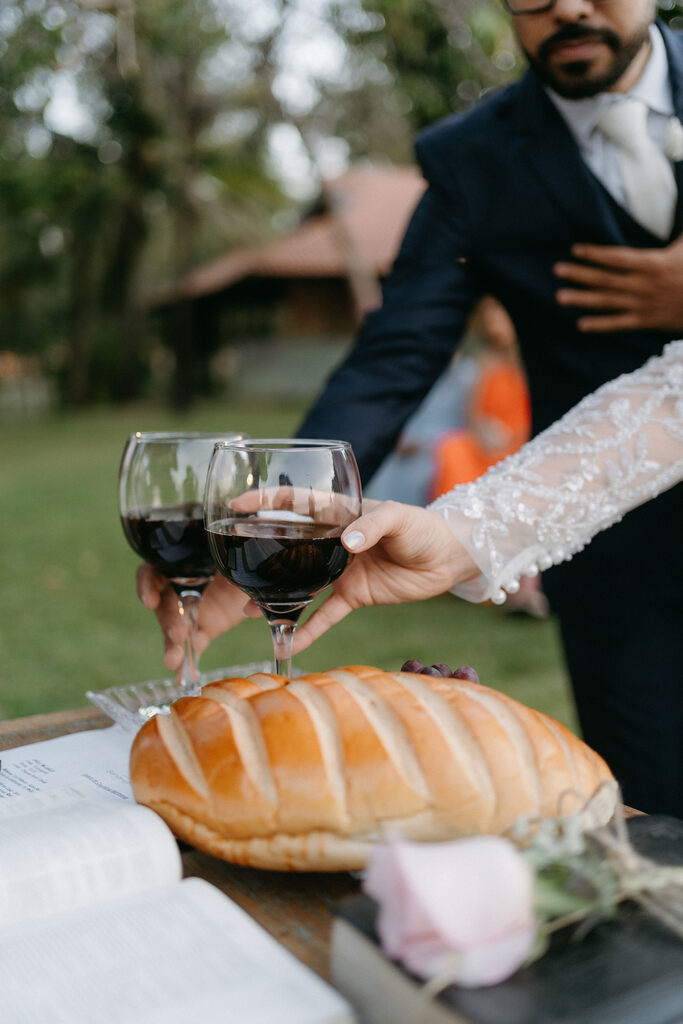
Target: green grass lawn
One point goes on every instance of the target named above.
(70, 619)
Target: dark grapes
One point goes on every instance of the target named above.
(466, 672)
(412, 666)
(439, 669)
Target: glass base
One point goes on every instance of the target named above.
(132, 705)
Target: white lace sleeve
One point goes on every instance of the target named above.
(621, 446)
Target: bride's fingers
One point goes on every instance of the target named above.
(384, 520)
(331, 611)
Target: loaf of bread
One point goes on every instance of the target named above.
(307, 774)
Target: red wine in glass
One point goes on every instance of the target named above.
(174, 541)
(274, 512)
(280, 565)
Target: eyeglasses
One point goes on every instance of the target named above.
(531, 6)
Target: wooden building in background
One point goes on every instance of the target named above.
(311, 287)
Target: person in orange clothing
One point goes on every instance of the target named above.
(499, 410)
(499, 424)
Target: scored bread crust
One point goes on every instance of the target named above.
(308, 774)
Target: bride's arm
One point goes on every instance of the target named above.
(621, 446)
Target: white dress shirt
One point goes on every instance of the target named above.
(653, 88)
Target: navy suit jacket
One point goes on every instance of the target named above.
(508, 194)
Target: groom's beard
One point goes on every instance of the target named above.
(575, 80)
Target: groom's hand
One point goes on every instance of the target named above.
(220, 609)
(629, 289)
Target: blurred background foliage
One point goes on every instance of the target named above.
(139, 139)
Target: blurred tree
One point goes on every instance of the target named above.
(404, 65)
(27, 279)
(441, 54)
(91, 221)
(138, 139)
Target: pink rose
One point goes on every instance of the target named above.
(464, 908)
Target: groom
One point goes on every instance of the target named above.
(569, 211)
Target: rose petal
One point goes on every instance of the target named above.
(467, 905)
(493, 962)
(400, 916)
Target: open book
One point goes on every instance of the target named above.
(97, 925)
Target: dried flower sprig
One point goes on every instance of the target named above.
(583, 876)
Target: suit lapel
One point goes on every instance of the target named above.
(551, 150)
(674, 49)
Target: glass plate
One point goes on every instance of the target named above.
(131, 705)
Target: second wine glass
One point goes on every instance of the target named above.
(274, 512)
(161, 490)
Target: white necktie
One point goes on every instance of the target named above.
(647, 175)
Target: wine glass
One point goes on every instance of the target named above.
(161, 489)
(274, 512)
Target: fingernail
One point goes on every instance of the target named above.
(354, 539)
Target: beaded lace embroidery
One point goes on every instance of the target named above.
(619, 447)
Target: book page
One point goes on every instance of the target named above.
(97, 759)
(171, 956)
(61, 849)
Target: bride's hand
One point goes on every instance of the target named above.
(402, 553)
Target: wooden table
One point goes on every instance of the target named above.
(295, 908)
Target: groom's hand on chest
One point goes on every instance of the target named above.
(624, 289)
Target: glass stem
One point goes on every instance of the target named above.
(282, 631)
(188, 606)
